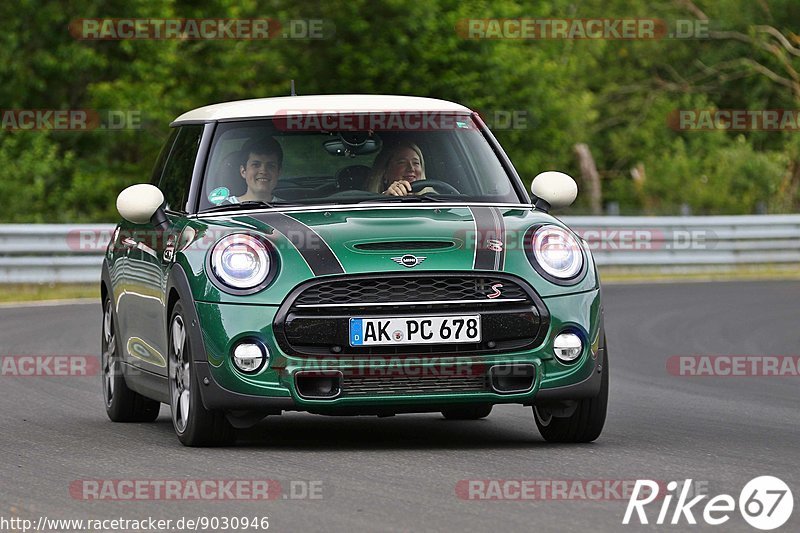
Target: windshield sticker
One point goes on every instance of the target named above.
(218, 195)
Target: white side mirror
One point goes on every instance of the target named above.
(138, 203)
(556, 189)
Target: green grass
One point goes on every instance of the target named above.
(35, 292)
(733, 273)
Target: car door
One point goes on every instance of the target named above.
(152, 253)
(126, 248)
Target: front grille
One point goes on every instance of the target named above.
(314, 320)
(409, 289)
(357, 386)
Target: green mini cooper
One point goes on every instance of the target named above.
(347, 255)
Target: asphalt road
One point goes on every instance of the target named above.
(401, 473)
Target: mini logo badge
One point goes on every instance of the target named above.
(408, 260)
(494, 245)
(496, 288)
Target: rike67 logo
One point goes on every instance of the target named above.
(765, 503)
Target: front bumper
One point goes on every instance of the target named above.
(274, 389)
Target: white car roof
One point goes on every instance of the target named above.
(333, 103)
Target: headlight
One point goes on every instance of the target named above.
(557, 252)
(241, 261)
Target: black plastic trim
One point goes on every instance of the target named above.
(201, 161)
(492, 326)
(215, 396)
(177, 280)
(494, 368)
(146, 383)
(588, 388)
(279, 322)
(318, 374)
(400, 246)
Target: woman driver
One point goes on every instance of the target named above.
(396, 169)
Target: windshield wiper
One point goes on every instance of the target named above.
(248, 204)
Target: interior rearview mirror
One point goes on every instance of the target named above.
(353, 143)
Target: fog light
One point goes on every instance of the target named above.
(250, 357)
(567, 347)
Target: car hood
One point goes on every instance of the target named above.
(369, 239)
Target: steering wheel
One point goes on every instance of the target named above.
(440, 186)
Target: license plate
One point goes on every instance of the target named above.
(415, 330)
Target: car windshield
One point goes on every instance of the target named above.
(343, 159)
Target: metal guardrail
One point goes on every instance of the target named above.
(52, 253)
(670, 242)
(56, 253)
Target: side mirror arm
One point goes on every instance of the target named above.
(159, 219)
(541, 205)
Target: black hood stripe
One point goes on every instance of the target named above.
(489, 226)
(315, 251)
(501, 236)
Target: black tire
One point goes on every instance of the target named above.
(586, 423)
(194, 424)
(467, 412)
(122, 404)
